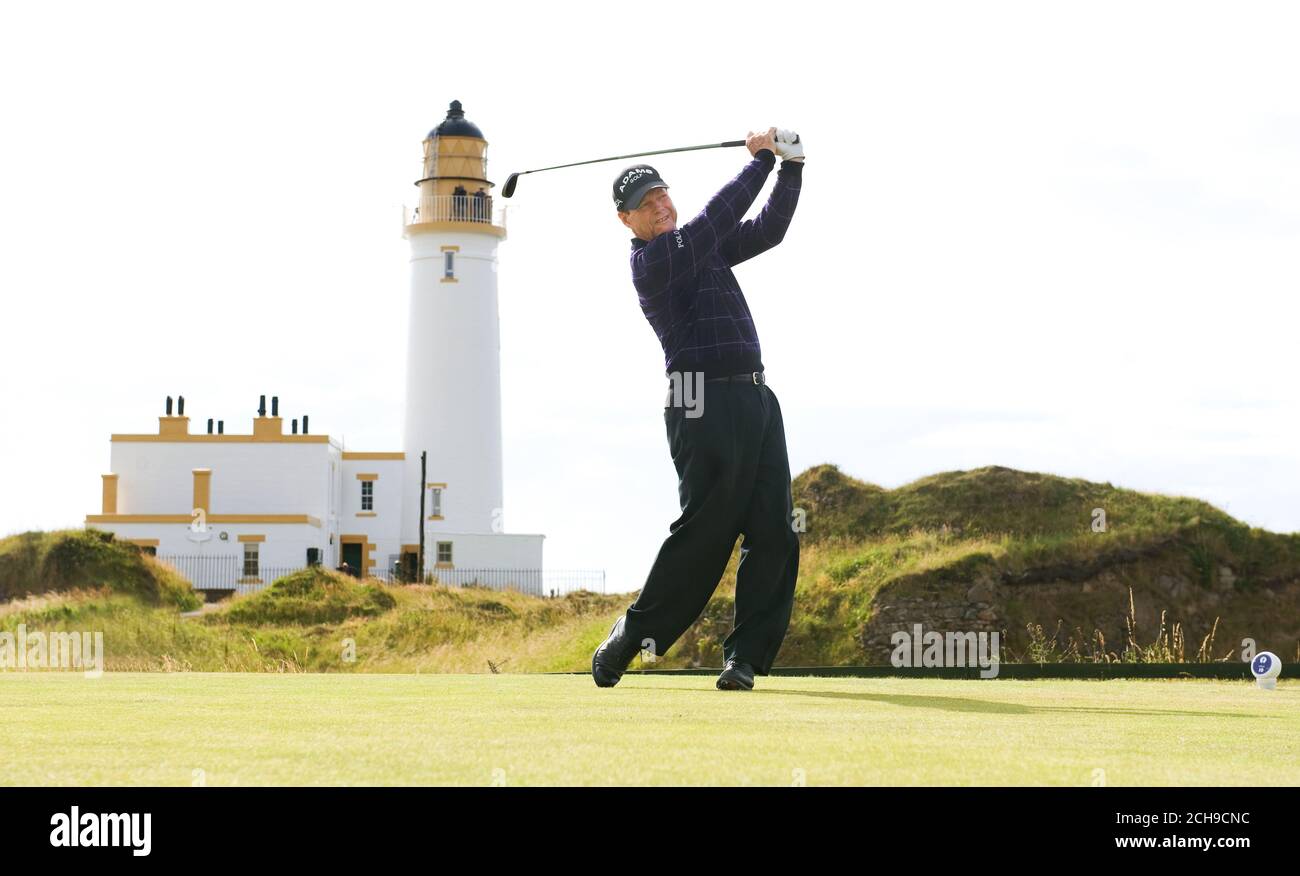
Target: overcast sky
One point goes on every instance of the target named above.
(1056, 237)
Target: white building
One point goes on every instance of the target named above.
(270, 501)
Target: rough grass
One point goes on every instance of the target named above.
(312, 596)
(257, 729)
(1034, 532)
(43, 562)
(989, 501)
(864, 545)
(1028, 519)
(355, 627)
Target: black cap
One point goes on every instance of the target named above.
(632, 184)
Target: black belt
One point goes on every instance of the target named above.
(755, 377)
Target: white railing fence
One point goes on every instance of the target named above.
(228, 572)
(455, 208)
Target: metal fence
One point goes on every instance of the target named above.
(538, 582)
(557, 582)
(227, 573)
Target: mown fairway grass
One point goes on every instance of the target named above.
(518, 729)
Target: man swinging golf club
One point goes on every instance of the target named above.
(724, 423)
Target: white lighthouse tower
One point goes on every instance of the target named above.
(453, 373)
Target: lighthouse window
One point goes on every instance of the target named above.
(367, 495)
(448, 265)
(436, 501)
(444, 552)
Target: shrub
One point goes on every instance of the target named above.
(314, 595)
(43, 562)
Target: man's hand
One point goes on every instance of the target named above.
(788, 145)
(755, 143)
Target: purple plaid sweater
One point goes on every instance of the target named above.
(684, 280)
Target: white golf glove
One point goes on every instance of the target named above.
(788, 145)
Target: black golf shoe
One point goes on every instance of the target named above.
(736, 676)
(613, 656)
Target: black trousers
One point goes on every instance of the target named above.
(733, 478)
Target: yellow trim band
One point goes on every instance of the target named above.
(252, 538)
(187, 519)
(481, 227)
(351, 454)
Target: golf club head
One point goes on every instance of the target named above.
(510, 185)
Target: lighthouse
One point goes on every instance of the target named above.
(453, 370)
(233, 511)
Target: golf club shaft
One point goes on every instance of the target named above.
(638, 155)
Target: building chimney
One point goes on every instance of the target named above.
(209, 425)
(275, 406)
(174, 426)
(261, 407)
(304, 424)
(221, 427)
(180, 406)
(295, 426)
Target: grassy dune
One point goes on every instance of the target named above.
(35, 563)
(1027, 538)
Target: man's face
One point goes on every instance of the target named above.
(655, 215)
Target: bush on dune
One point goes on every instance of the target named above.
(311, 596)
(44, 562)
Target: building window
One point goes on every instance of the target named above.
(448, 265)
(250, 559)
(444, 552)
(436, 502)
(367, 495)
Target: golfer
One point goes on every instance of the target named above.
(723, 421)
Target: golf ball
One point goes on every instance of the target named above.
(1266, 666)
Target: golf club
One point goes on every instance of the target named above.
(514, 177)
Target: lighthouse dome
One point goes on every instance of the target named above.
(456, 125)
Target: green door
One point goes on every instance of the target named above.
(352, 557)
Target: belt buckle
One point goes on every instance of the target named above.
(758, 377)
